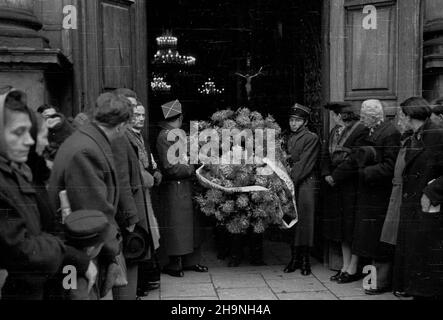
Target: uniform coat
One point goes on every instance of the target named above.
(179, 223)
(340, 200)
(304, 148)
(418, 266)
(374, 192)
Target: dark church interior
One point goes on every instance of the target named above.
(275, 42)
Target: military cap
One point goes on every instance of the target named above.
(86, 228)
(300, 111)
(172, 109)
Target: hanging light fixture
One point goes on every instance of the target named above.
(209, 88)
(168, 54)
(158, 84)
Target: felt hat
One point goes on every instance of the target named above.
(136, 245)
(340, 107)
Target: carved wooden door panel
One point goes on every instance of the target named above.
(375, 50)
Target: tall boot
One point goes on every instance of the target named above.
(296, 260)
(256, 249)
(236, 249)
(306, 261)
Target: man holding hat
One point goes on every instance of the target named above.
(340, 184)
(180, 223)
(304, 148)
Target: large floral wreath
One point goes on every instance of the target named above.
(247, 196)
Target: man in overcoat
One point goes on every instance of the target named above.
(85, 167)
(179, 221)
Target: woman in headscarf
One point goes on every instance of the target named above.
(28, 254)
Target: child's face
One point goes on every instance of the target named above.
(93, 252)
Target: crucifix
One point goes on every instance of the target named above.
(249, 78)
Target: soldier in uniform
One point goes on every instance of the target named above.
(304, 149)
(179, 221)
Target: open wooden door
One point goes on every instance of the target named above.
(113, 47)
(373, 50)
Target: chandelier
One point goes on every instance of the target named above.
(168, 54)
(160, 85)
(209, 88)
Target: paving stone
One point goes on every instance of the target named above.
(239, 280)
(190, 277)
(387, 296)
(246, 294)
(187, 290)
(152, 296)
(346, 290)
(295, 285)
(278, 274)
(240, 270)
(192, 298)
(318, 295)
(321, 273)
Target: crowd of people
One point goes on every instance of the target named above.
(381, 184)
(76, 196)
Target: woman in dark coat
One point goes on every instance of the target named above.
(376, 172)
(340, 189)
(29, 255)
(304, 148)
(418, 266)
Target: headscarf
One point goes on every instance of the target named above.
(4, 93)
(374, 109)
(21, 169)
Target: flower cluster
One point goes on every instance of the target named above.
(243, 211)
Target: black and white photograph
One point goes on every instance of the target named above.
(219, 157)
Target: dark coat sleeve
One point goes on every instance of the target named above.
(307, 160)
(127, 214)
(87, 189)
(349, 167)
(386, 164)
(434, 191)
(172, 171)
(25, 252)
(325, 159)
